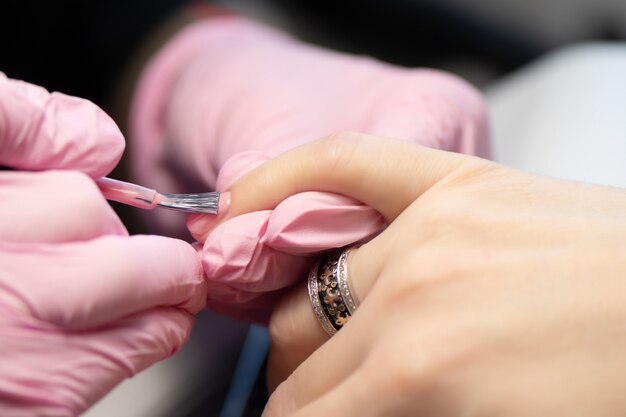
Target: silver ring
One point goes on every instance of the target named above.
(344, 288)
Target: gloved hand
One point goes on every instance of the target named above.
(227, 94)
(82, 304)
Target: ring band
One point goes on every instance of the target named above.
(342, 274)
(316, 303)
(329, 292)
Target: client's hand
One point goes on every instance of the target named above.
(492, 292)
(228, 94)
(82, 304)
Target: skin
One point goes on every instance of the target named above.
(492, 292)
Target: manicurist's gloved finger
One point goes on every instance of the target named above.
(110, 277)
(122, 349)
(54, 206)
(41, 130)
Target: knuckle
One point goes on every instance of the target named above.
(452, 208)
(398, 375)
(390, 376)
(338, 151)
(436, 215)
(420, 274)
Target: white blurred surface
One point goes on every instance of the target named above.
(565, 115)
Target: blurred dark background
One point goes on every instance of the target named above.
(80, 47)
(77, 47)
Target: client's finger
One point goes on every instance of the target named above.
(332, 363)
(295, 335)
(302, 224)
(294, 328)
(385, 174)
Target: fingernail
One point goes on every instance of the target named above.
(224, 204)
(200, 225)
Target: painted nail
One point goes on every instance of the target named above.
(224, 204)
(200, 225)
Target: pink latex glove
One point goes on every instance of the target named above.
(227, 94)
(82, 305)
